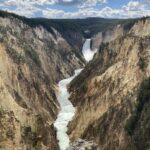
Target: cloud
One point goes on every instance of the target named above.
(91, 3)
(131, 10)
(29, 8)
(52, 2)
(84, 8)
(21, 7)
(134, 6)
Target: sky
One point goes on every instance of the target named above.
(78, 8)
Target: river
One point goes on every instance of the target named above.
(67, 110)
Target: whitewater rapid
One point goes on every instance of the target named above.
(66, 114)
(67, 110)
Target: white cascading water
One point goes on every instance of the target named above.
(87, 53)
(67, 110)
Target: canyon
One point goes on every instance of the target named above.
(67, 110)
(107, 101)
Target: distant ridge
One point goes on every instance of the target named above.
(93, 24)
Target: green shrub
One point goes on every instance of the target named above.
(38, 146)
(103, 46)
(3, 30)
(142, 64)
(14, 55)
(1, 110)
(33, 55)
(142, 100)
(130, 23)
(84, 87)
(36, 85)
(131, 123)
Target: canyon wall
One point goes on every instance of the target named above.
(107, 36)
(32, 61)
(112, 93)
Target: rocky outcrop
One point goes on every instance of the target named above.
(141, 28)
(81, 144)
(32, 61)
(120, 29)
(107, 36)
(106, 93)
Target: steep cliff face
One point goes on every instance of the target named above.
(107, 36)
(107, 93)
(114, 31)
(32, 61)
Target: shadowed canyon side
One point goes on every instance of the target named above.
(111, 94)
